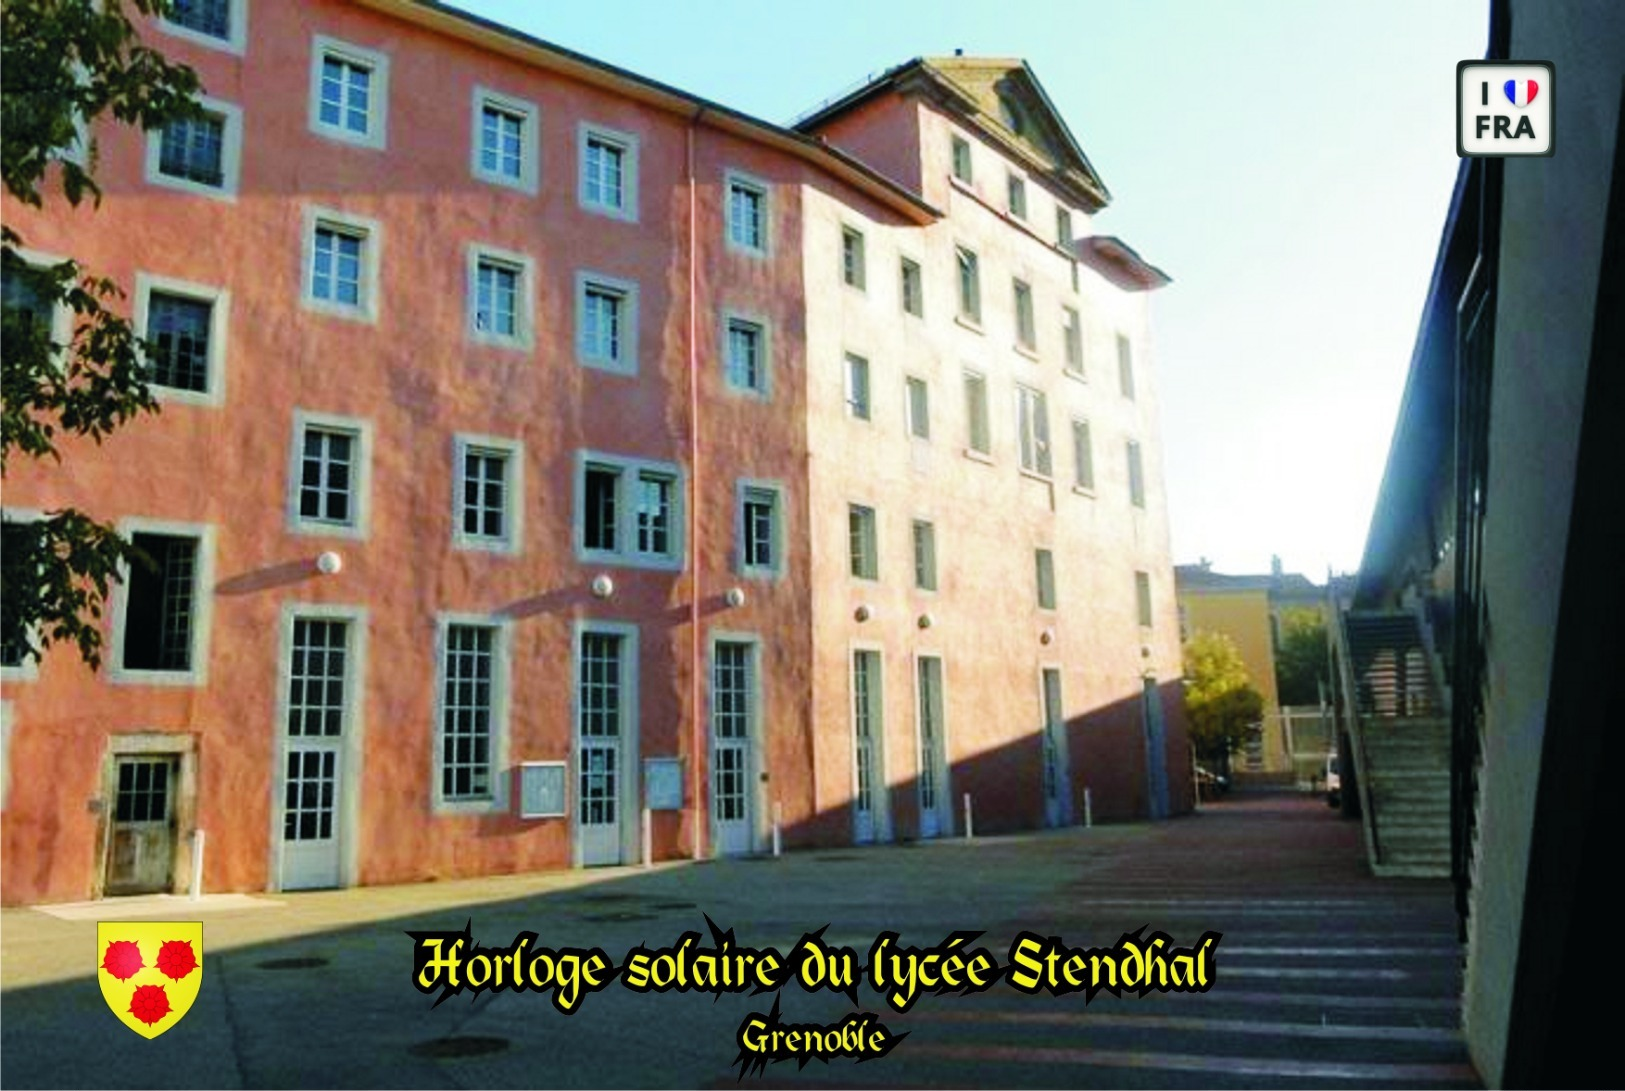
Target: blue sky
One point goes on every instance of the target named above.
(1288, 162)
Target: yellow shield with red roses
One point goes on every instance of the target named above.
(149, 971)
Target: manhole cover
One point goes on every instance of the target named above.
(301, 962)
(618, 915)
(458, 1045)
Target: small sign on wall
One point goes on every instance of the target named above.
(663, 784)
(541, 789)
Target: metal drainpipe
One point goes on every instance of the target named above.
(695, 660)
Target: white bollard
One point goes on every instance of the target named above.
(778, 822)
(1088, 811)
(648, 845)
(969, 829)
(197, 865)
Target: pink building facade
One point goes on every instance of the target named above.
(517, 471)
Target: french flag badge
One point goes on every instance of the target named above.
(1521, 92)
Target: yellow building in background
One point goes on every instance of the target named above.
(1251, 610)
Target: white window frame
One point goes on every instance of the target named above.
(628, 144)
(971, 450)
(1145, 606)
(202, 606)
(61, 320)
(626, 363)
(1020, 287)
(750, 488)
(873, 543)
(219, 300)
(625, 555)
(529, 115)
(1085, 488)
(954, 140)
(513, 507)
(360, 525)
(231, 154)
(931, 553)
(861, 270)
(1041, 569)
(1015, 193)
(971, 319)
(1134, 460)
(524, 336)
(377, 134)
(236, 42)
(904, 263)
(738, 179)
(501, 701)
(1042, 449)
(918, 428)
(1075, 369)
(372, 239)
(28, 669)
(764, 355)
(868, 414)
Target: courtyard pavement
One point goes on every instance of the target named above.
(1324, 975)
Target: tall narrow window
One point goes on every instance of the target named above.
(1044, 563)
(601, 497)
(747, 215)
(327, 477)
(606, 323)
(316, 677)
(497, 299)
(1083, 457)
(960, 149)
(912, 289)
(1032, 424)
(977, 431)
(1142, 597)
(1072, 334)
(1125, 366)
(466, 716)
(609, 172)
(1026, 325)
(925, 555)
(654, 513)
(919, 409)
(1136, 476)
(853, 263)
(970, 285)
(759, 537)
(863, 543)
(161, 604)
(857, 386)
(488, 479)
(1018, 197)
(743, 363)
(1063, 226)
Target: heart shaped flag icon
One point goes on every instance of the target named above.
(1521, 92)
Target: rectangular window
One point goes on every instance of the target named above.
(161, 605)
(1125, 366)
(1083, 457)
(1136, 476)
(978, 435)
(1063, 227)
(747, 214)
(349, 93)
(193, 150)
(496, 299)
(630, 512)
(327, 476)
(925, 555)
(467, 713)
(1026, 324)
(1032, 425)
(210, 17)
(22, 293)
(16, 540)
(1072, 334)
(961, 159)
(970, 286)
(759, 537)
(178, 329)
(919, 409)
(609, 172)
(606, 324)
(1142, 597)
(1018, 197)
(316, 677)
(913, 289)
(488, 481)
(857, 386)
(853, 263)
(863, 543)
(505, 140)
(1044, 563)
(743, 366)
(341, 264)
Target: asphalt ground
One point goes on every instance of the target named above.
(1323, 976)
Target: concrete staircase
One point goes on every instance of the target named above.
(1401, 737)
